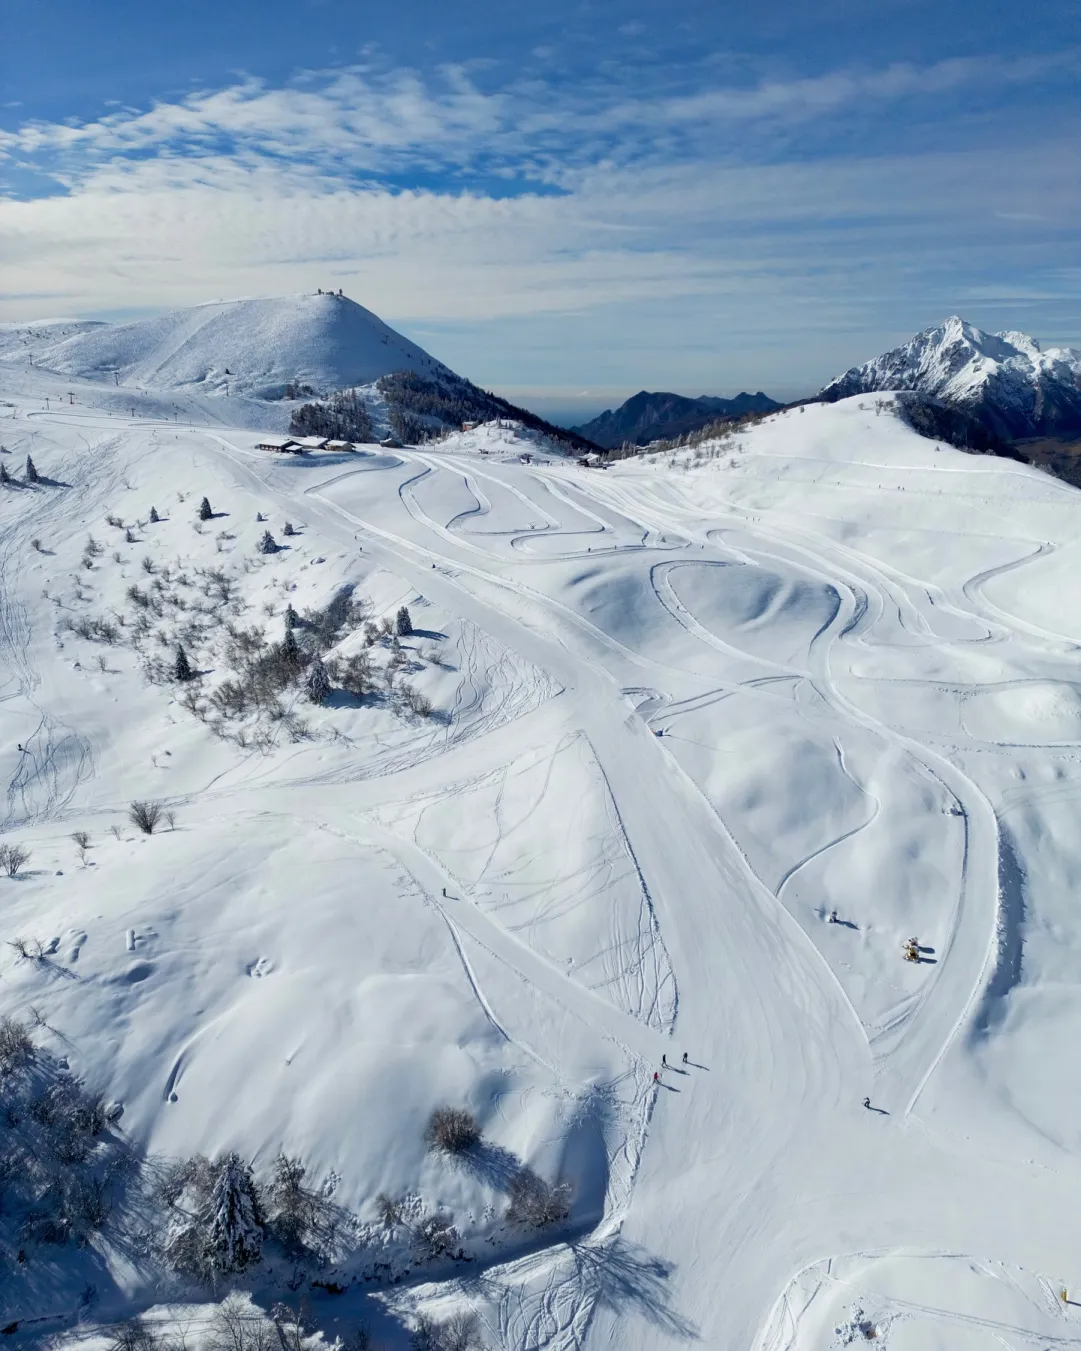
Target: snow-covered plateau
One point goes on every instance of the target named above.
(616, 843)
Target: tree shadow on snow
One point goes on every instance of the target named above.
(627, 1279)
(493, 1164)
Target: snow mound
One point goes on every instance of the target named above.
(255, 347)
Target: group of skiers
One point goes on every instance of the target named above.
(665, 1066)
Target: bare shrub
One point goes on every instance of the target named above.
(388, 1209)
(81, 838)
(417, 702)
(132, 1335)
(353, 673)
(452, 1130)
(324, 625)
(145, 815)
(16, 1045)
(238, 1326)
(32, 949)
(534, 1204)
(293, 1324)
(12, 858)
(458, 1333)
(436, 1236)
(291, 1203)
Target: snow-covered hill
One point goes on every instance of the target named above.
(1006, 379)
(673, 759)
(248, 347)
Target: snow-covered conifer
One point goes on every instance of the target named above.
(317, 684)
(292, 619)
(404, 624)
(266, 544)
(205, 513)
(154, 517)
(234, 1223)
(182, 667)
(31, 471)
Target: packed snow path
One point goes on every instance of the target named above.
(720, 643)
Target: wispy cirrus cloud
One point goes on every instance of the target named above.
(360, 121)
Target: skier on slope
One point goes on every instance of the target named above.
(656, 1077)
(684, 1057)
(867, 1103)
(664, 1062)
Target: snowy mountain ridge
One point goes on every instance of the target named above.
(1007, 379)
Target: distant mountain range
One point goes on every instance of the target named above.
(647, 417)
(1004, 381)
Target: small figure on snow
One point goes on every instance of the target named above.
(685, 1057)
(656, 1077)
(867, 1103)
(832, 917)
(664, 1062)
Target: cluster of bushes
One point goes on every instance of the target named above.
(63, 1173)
(533, 1203)
(343, 417)
(219, 1216)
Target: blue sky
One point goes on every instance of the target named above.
(567, 201)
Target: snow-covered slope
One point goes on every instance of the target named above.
(1015, 387)
(254, 347)
(653, 728)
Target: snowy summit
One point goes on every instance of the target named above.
(1006, 379)
(255, 347)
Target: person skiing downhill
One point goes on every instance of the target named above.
(684, 1057)
(664, 1062)
(867, 1103)
(656, 1077)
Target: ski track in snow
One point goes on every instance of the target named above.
(710, 1163)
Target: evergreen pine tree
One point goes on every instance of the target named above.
(290, 646)
(266, 544)
(31, 471)
(5, 477)
(287, 529)
(292, 619)
(154, 517)
(182, 667)
(205, 513)
(404, 623)
(317, 684)
(234, 1224)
